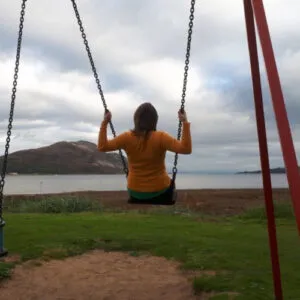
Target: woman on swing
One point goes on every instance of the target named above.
(146, 149)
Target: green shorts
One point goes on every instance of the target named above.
(145, 195)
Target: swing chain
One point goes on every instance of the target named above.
(15, 82)
(12, 106)
(186, 68)
(84, 37)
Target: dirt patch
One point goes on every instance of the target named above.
(100, 275)
(11, 259)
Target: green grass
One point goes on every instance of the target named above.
(52, 204)
(236, 248)
(281, 211)
(5, 270)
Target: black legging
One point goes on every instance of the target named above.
(166, 198)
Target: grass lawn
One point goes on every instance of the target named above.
(237, 248)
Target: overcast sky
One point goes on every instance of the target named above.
(139, 48)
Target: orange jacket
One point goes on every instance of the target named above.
(146, 159)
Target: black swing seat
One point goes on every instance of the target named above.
(166, 198)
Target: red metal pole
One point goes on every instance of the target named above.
(283, 126)
(263, 146)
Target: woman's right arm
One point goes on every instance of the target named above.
(184, 146)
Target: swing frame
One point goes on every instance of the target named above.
(254, 14)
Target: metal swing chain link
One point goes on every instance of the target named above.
(186, 68)
(15, 82)
(97, 78)
(12, 106)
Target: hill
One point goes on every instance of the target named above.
(64, 158)
(273, 171)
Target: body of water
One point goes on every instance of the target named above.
(42, 184)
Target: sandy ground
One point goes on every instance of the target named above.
(102, 275)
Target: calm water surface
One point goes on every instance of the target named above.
(35, 184)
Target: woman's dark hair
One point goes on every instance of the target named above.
(145, 119)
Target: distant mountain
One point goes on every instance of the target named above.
(64, 158)
(273, 171)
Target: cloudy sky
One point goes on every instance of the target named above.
(139, 49)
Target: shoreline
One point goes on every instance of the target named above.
(200, 190)
(207, 201)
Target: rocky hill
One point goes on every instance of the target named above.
(64, 158)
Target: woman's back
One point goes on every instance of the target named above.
(146, 148)
(146, 156)
(146, 162)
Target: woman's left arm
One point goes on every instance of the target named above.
(105, 145)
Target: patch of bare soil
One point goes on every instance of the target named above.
(11, 259)
(100, 275)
